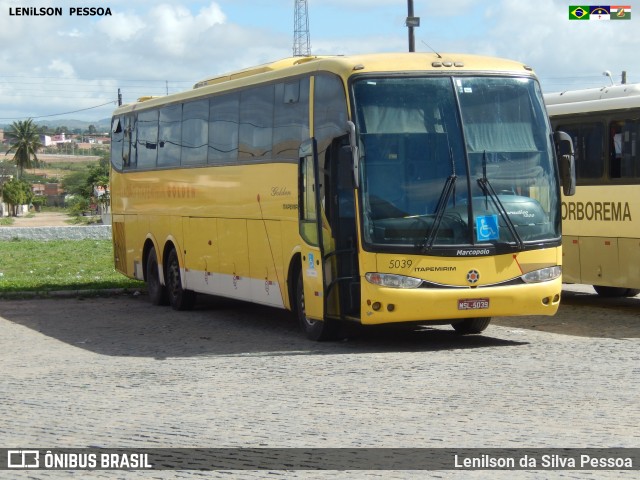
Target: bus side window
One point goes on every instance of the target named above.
(329, 122)
(170, 136)
(291, 118)
(224, 111)
(588, 142)
(147, 139)
(329, 111)
(195, 132)
(256, 123)
(126, 144)
(630, 139)
(117, 136)
(615, 149)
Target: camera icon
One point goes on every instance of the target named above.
(23, 459)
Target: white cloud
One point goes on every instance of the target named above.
(71, 33)
(177, 30)
(64, 69)
(121, 27)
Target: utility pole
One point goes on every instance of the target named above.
(411, 23)
(301, 43)
(624, 77)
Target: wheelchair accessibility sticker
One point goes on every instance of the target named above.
(311, 271)
(487, 228)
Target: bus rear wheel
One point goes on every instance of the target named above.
(157, 292)
(317, 330)
(614, 292)
(179, 298)
(471, 325)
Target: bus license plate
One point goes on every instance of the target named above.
(473, 304)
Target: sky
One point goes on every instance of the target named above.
(71, 67)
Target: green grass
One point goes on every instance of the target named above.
(36, 266)
(70, 167)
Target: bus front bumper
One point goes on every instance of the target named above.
(393, 305)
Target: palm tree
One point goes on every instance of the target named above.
(25, 143)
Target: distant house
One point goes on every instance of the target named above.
(52, 189)
(54, 194)
(48, 141)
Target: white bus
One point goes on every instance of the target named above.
(601, 223)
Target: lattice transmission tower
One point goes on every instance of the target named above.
(301, 42)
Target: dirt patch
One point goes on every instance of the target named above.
(42, 219)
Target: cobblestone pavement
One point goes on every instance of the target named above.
(118, 372)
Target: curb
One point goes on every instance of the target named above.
(107, 292)
(71, 232)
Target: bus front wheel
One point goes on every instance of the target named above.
(471, 325)
(316, 330)
(157, 291)
(179, 298)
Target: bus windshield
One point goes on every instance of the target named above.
(455, 161)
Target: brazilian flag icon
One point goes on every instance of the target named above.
(579, 12)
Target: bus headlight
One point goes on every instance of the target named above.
(543, 275)
(392, 281)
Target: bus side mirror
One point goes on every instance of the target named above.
(566, 162)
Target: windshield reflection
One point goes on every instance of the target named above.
(431, 145)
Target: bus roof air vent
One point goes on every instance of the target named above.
(301, 60)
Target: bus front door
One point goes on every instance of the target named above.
(310, 207)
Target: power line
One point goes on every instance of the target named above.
(59, 114)
(96, 79)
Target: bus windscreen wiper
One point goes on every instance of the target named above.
(447, 190)
(489, 192)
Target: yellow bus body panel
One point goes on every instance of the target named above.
(235, 228)
(601, 237)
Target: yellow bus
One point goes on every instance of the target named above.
(601, 224)
(370, 189)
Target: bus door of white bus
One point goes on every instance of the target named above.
(312, 232)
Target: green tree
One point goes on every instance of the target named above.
(77, 183)
(17, 192)
(82, 184)
(25, 143)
